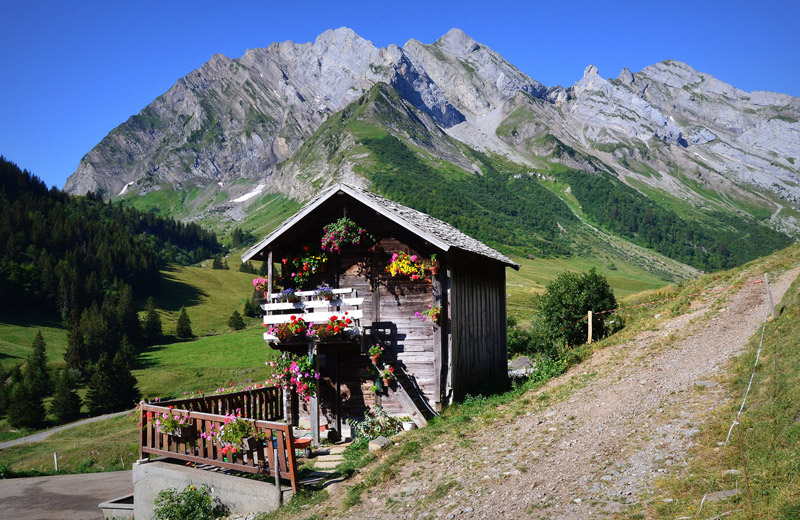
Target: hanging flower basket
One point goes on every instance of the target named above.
(405, 264)
(344, 232)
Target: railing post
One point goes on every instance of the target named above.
(314, 401)
(590, 327)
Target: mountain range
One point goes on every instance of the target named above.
(668, 159)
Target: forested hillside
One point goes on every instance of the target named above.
(85, 261)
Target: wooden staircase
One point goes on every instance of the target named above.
(406, 391)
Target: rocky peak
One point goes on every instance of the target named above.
(457, 43)
(591, 70)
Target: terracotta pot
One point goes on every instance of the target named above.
(387, 382)
(434, 269)
(375, 359)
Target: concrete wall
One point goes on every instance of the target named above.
(239, 494)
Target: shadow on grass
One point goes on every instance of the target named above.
(166, 341)
(175, 294)
(30, 319)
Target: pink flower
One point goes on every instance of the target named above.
(413, 258)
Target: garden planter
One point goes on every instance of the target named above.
(434, 269)
(183, 434)
(408, 426)
(387, 382)
(374, 359)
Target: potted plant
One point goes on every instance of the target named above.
(374, 389)
(324, 293)
(405, 264)
(434, 312)
(176, 426)
(335, 326)
(341, 233)
(261, 284)
(288, 295)
(294, 373)
(433, 265)
(298, 268)
(408, 424)
(286, 331)
(387, 375)
(375, 352)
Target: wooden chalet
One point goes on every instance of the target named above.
(435, 363)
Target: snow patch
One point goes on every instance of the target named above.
(124, 189)
(251, 194)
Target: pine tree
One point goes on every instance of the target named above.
(250, 309)
(127, 394)
(75, 353)
(183, 328)
(66, 404)
(217, 263)
(128, 318)
(36, 377)
(25, 409)
(235, 321)
(101, 396)
(152, 323)
(264, 270)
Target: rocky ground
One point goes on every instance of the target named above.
(627, 416)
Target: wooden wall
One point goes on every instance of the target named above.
(389, 300)
(478, 352)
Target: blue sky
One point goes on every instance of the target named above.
(72, 71)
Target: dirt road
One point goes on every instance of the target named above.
(629, 416)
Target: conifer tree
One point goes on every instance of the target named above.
(100, 395)
(66, 404)
(183, 329)
(75, 353)
(127, 393)
(217, 263)
(36, 377)
(235, 321)
(127, 317)
(25, 409)
(264, 270)
(152, 323)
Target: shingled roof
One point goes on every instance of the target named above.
(439, 233)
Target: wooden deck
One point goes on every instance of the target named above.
(262, 406)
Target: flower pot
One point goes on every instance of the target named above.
(183, 433)
(375, 359)
(434, 269)
(408, 426)
(387, 382)
(292, 299)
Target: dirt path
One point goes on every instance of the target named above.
(628, 419)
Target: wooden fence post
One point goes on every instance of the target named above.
(770, 305)
(590, 327)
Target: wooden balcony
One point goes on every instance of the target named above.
(204, 415)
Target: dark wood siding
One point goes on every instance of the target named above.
(478, 323)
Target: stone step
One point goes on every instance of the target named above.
(327, 464)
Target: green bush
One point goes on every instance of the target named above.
(190, 504)
(568, 299)
(374, 425)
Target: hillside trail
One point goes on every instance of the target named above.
(626, 416)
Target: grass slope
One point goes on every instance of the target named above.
(770, 427)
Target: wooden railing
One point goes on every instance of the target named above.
(263, 403)
(274, 456)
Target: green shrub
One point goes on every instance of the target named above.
(190, 504)
(374, 425)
